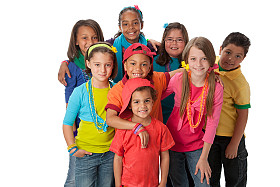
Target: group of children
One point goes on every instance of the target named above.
(132, 112)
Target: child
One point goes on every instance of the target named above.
(84, 34)
(197, 97)
(229, 147)
(174, 39)
(94, 161)
(137, 62)
(130, 25)
(134, 166)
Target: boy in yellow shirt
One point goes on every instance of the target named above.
(228, 149)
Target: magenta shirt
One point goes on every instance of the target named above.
(187, 138)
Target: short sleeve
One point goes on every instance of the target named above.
(242, 98)
(167, 141)
(115, 98)
(117, 143)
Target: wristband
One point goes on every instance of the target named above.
(140, 131)
(138, 127)
(71, 154)
(71, 146)
(135, 126)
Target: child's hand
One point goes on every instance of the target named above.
(219, 80)
(81, 153)
(231, 151)
(154, 43)
(62, 71)
(144, 137)
(204, 168)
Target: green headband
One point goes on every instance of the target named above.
(102, 45)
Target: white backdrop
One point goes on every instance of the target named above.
(34, 38)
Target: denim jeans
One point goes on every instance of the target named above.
(95, 170)
(235, 170)
(177, 170)
(70, 180)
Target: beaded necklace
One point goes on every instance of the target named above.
(202, 104)
(99, 123)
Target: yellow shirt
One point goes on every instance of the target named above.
(88, 137)
(236, 96)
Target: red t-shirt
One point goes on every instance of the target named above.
(141, 166)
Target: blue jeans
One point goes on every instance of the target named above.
(70, 180)
(235, 170)
(95, 170)
(177, 170)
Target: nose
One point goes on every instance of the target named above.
(103, 69)
(199, 63)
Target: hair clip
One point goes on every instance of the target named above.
(186, 66)
(165, 25)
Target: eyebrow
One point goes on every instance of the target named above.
(132, 20)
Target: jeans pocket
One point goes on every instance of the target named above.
(242, 165)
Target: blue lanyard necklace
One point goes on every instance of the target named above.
(99, 123)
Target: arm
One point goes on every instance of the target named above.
(164, 166)
(118, 170)
(203, 164)
(231, 150)
(172, 73)
(69, 138)
(62, 71)
(113, 120)
(154, 43)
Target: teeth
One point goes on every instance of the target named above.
(137, 74)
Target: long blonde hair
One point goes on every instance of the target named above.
(206, 46)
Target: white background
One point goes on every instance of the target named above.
(34, 38)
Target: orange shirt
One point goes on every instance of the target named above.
(160, 81)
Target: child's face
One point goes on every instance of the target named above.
(101, 65)
(137, 66)
(174, 43)
(141, 104)
(231, 56)
(198, 62)
(86, 36)
(130, 26)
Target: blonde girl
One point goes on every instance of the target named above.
(198, 102)
(94, 161)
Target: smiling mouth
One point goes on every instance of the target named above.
(137, 74)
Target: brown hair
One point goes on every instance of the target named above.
(73, 49)
(206, 46)
(164, 57)
(139, 14)
(152, 91)
(102, 49)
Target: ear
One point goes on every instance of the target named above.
(88, 64)
(120, 28)
(142, 25)
(220, 52)
(124, 66)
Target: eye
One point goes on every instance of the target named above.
(135, 102)
(108, 65)
(84, 38)
(227, 52)
(95, 38)
(96, 65)
(238, 56)
(147, 100)
(132, 63)
(192, 59)
(204, 59)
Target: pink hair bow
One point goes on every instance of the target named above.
(216, 66)
(136, 7)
